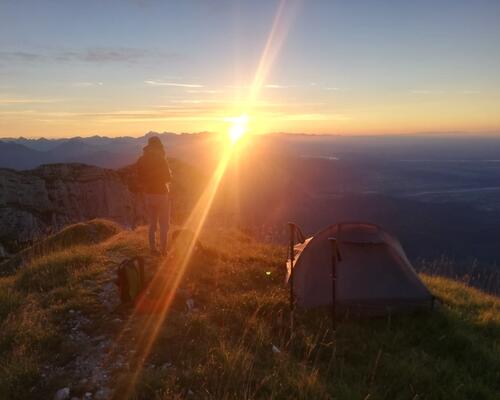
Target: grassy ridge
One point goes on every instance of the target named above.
(224, 349)
(83, 233)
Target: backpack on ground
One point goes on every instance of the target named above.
(130, 279)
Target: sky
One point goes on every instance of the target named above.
(127, 67)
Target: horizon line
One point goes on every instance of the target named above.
(277, 133)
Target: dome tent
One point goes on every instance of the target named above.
(374, 275)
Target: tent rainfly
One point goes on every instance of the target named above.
(374, 275)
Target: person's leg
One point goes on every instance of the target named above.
(164, 219)
(152, 210)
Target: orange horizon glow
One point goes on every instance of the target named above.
(479, 117)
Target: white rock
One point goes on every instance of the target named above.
(276, 350)
(62, 394)
(102, 394)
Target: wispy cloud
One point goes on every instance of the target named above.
(22, 56)
(174, 84)
(9, 101)
(87, 84)
(426, 91)
(238, 86)
(315, 117)
(88, 55)
(275, 86)
(194, 101)
(17, 113)
(204, 91)
(179, 111)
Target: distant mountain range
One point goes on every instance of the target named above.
(116, 152)
(23, 153)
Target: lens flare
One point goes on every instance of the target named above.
(153, 323)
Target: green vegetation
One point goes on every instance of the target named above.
(83, 233)
(224, 348)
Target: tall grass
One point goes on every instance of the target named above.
(34, 305)
(225, 349)
(237, 342)
(485, 277)
(80, 234)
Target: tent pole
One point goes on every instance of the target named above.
(292, 259)
(335, 253)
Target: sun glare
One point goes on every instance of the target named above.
(238, 128)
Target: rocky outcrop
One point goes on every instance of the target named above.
(36, 202)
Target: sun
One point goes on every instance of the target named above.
(238, 128)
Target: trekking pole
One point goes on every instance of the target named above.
(334, 258)
(291, 251)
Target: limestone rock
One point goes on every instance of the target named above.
(40, 201)
(62, 394)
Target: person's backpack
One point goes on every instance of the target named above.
(130, 174)
(130, 279)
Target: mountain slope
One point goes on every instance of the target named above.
(60, 326)
(13, 155)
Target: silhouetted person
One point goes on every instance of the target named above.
(154, 176)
